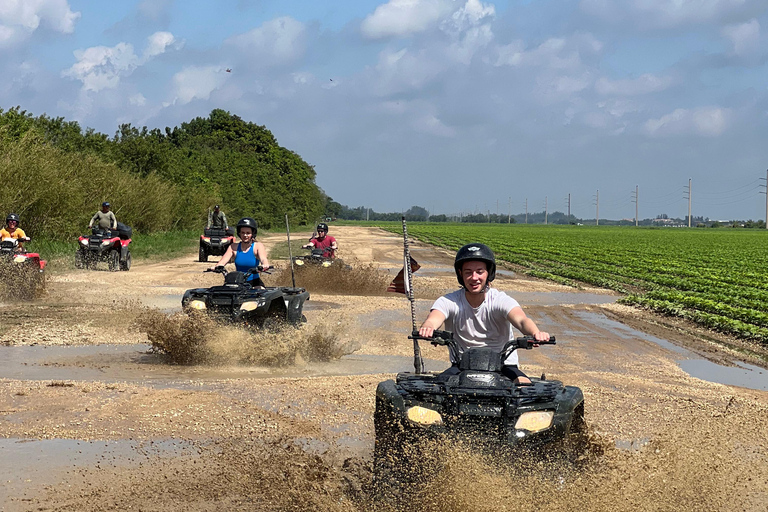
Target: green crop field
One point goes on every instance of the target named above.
(717, 278)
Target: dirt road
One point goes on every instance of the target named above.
(90, 421)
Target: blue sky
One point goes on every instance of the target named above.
(454, 105)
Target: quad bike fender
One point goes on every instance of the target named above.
(387, 393)
(124, 252)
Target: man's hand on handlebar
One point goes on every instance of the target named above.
(426, 331)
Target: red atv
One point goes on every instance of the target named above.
(22, 272)
(215, 242)
(105, 245)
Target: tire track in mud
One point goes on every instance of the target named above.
(663, 440)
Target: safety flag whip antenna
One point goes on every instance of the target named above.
(418, 362)
(290, 252)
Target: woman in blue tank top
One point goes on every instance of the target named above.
(248, 253)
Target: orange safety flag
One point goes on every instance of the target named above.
(400, 283)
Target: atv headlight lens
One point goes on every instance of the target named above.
(299, 262)
(424, 416)
(196, 304)
(19, 259)
(105, 243)
(84, 241)
(251, 305)
(207, 238)
(326, 264)
(535, 421)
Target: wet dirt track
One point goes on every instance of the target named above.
(94, 423)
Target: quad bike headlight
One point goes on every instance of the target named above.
(206, 239)
(196, 304)
(299, 262)
(326, 264)
(424, 416)
(105, 243)
(535, 421)
(251, 305)
(84, 241)
(19, 259)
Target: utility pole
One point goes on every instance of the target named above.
(367, 213)
(689, 202)
(569, 207)
(509, 210)
(635, 199)
(546, 210)
(526, 210)
(766, 197)
(597, 211)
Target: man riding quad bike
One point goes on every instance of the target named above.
(110, 245)
(483, 396)
(240, 301)
(477, 403)
(21, 272)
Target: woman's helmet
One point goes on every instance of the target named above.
(247, 222)
(10, 217)
(322, 227)
(475, 252)
(105, 204)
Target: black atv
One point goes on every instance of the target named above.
(105, 245)
(215, 242)
(477, 403)
(319, 257)
(239, 301)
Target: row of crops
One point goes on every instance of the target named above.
(716, 278)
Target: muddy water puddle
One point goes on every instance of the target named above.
(28, 466)
(741, 374)
(134, 364)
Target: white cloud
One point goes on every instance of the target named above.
(101, 67)
(197, 83)
(402, 18)
(745, 37)
(705, 121)
(554, 53)
(644, 84)
(20, 18)
(663, 13)
(276, 42)
(158, 43)
(137, 100)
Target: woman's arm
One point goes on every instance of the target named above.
(261, 253)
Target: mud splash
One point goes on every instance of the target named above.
(340, 278)
(197, 339)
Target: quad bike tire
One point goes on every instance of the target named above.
(79, 260)
(126, 265)
(203, 254)
(113, 260)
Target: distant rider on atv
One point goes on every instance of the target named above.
(323, 241)
(248, 253)
(12, 230)
(105, 218)
(478, 315)
(217, 219)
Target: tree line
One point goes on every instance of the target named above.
(55, 174)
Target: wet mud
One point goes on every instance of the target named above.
(91, 419)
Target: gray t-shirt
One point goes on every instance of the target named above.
(105, 220)
(484, 326)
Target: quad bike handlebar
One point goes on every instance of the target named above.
(446, 338)
(220, 269)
